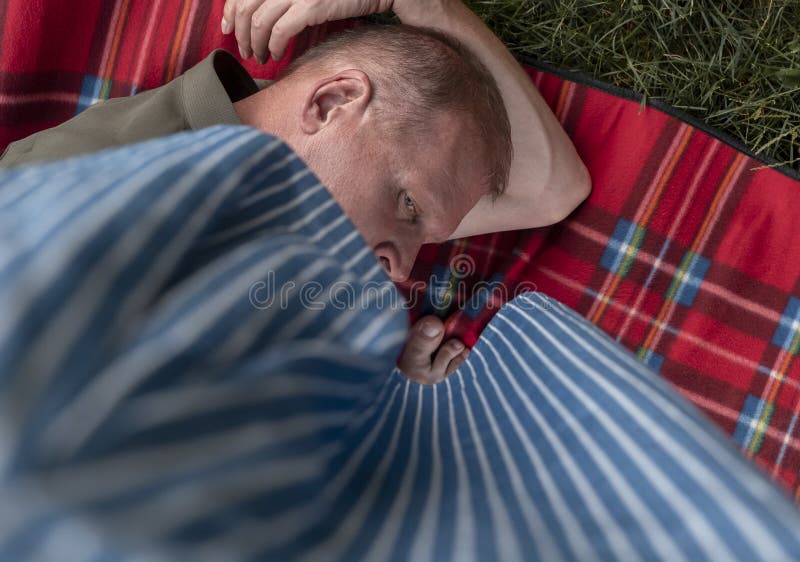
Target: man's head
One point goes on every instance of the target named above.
(403, 125)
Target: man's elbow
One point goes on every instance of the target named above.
(583, 183)
(574, 192)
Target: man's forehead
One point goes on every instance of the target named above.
(444, 174)
(444, 203)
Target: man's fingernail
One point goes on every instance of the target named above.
(226, 27)
(430, 330)
(243, 53)
(457, 345)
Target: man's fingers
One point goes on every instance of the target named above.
(263, 21)
(456, 362)
(243, 15)
(269, 25)
(228, 16)
(448, 352)
(290, 24)
(424, 338)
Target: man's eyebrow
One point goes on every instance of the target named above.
(420, 210)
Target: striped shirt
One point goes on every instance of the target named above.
(196, 363)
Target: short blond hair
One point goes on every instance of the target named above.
(418, 72)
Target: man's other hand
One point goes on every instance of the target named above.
(424, 359)
(264, 27)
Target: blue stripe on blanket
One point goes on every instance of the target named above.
(196, 362)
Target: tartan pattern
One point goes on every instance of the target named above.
(682, 253)
(688, 278)
(622, 247)
(787, 334)
(90, 92)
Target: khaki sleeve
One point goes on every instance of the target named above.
(107, 124)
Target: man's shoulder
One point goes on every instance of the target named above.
(105, 124)
(201, 97)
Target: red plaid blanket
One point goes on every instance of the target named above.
(686, 251)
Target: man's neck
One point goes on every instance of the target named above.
(254, 111)
(274, 110)
(246, 110)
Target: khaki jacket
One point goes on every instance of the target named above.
(203, 96)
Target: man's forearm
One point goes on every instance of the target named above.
(547, 179)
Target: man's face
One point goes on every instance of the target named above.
(401, 194)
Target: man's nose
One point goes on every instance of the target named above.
(397, 262)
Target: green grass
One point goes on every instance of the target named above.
(733, 64)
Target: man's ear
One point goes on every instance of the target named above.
(346, 94)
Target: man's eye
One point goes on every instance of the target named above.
(409, 203)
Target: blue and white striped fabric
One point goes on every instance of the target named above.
(196, 363)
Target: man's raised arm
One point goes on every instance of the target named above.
(547, 179)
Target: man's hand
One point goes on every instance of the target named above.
(265, 27)
(424, 340)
